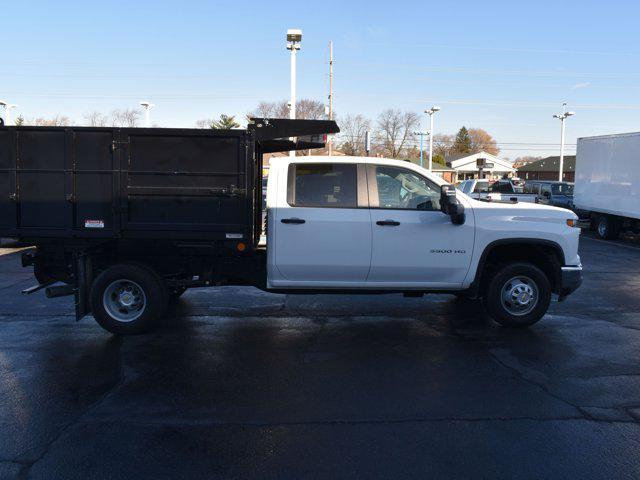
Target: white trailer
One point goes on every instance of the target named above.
(607, 185)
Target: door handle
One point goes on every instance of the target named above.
(293, 220)
(387, 223)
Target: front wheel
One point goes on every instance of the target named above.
(127, 299)
(518, 295)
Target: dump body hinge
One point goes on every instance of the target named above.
(115, 144)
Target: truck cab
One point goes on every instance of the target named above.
(371, 224)
(351, 223)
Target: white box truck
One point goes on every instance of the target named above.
(607, 186)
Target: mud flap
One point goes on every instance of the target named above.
(84, 276)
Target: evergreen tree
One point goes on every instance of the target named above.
(462, 143)
(226, 122)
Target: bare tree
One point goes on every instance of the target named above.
(395, 131)
(57, 121)
(481, 140)
(442, 145)
(96, 119)
(125, 118)
(270, 110)
(306, 109)
(205, 123)
(352, 132)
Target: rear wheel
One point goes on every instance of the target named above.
(607, 227)
(128, 299)
(518, 295)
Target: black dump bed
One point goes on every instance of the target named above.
(191, 184)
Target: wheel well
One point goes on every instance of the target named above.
(547, 257)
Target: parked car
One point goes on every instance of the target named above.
(547, 192)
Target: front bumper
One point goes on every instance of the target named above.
(570, 280)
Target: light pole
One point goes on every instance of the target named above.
(421, 134)
(147, 117)
(431, 112)
(294, 38)
(562, 117)
(7, 111)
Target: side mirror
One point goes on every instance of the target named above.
(546, 194)
(450, 206)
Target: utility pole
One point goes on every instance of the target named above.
(330, 142)
(367, 143)
(294, 38)
(422, 134)
(431, 112)
(562, 117)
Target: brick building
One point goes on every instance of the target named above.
(548, 169)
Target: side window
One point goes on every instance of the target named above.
(505, 187)
(481, 187)
(402, 189)
(323, 185)
(546, 189)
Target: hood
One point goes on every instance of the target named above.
(521, 209)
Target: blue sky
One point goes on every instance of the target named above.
(502, 66)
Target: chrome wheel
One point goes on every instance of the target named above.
(602, 227)
(124, 300)
(519, 295)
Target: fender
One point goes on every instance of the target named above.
(475, 285)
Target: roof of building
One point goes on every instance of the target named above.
(468, 163)
(550, 164)
(438, 167)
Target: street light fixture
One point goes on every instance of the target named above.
(147, 117)
(431, 112)
(7, 109)
(294, 39)
(562, 117)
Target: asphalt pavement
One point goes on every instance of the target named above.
(245, 384)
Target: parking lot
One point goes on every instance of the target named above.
(245, 384)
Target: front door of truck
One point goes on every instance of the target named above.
(323, 228)
(414, 244)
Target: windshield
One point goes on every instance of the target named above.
(562, 189)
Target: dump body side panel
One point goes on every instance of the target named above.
(116, 183)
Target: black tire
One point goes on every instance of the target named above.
(149, 306)
(529, 276)
(607, 227)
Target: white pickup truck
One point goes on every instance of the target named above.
(499, 191)
(353, 224)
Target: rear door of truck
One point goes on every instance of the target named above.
(322, 225)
